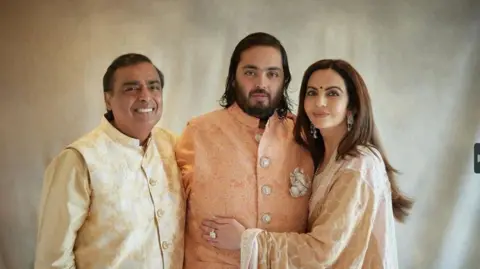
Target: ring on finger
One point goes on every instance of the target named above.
(213, 234)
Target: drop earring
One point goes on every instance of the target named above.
(349, 122)
(313, 131)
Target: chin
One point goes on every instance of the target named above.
(327, 126)
(259, 104)
(322, 124)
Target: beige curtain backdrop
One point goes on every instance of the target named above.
(420, 59)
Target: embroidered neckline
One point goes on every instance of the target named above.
(120, 137)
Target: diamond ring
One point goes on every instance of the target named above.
(213, 235)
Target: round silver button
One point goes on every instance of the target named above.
(159, 213)
(267, 190)
(264, 162)
(266, 218)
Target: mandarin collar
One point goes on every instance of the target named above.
(120, 137)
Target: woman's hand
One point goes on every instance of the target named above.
(227, 232)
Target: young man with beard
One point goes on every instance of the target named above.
(242, 161)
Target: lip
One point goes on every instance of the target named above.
(259, 98)
(259, 95)
(321, 114)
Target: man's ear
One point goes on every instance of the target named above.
(107, 96)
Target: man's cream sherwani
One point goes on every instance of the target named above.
(109, 203)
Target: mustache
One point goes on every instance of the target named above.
(259, 91)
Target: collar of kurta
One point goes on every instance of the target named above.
(120, 137)
(236, 111)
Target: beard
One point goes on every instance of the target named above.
(258, 109)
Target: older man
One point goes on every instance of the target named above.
(113, 198)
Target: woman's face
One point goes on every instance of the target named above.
(326, 99)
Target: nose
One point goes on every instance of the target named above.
(321, 101)
(262, 81)
(144, 93)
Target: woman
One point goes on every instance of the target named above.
(355, 198)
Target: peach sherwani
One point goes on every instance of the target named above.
(231, 167)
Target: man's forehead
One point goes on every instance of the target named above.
(261, 57)
(142, 71)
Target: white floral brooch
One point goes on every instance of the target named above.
(299, 183)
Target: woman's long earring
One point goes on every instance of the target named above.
(349, 122)
(313, 131)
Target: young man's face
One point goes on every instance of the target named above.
(259, 81)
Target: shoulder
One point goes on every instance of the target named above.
(288, 117)
(207, 119)
(66, 170)
(366, 158)
(68, 154)
(292, 117)
(367, 166)
(68, 158)
(203, 124)
(165, 135)
(88, 138)
(286, 122)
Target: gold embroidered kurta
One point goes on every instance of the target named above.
(351, 223)
(109, 203)
(233, 168)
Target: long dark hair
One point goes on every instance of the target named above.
(363, 132)
(254, 40)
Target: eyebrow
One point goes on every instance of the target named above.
(155, 81)
(130, 83)
(328, 88)
(136, 82)
(271, 68)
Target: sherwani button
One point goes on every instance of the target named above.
(258, 137)
(153, 182)
(159, 213)
(266, 218)
(165, 245)
(266, 189)
(264, 162)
